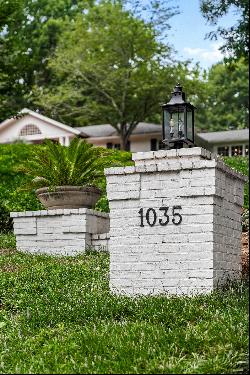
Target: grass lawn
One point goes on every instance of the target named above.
(57, 316)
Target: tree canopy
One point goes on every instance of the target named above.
(110, 68)
(225, 102)
(87, 62)
(236, 37)
(29, 31)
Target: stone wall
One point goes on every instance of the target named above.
(175, 223)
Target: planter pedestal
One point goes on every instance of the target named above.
(60, 231)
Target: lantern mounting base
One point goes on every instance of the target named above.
(177, 143)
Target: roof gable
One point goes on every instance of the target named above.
(46, 119)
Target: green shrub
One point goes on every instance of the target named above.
(51, 165)
(240, 164)
(14, 155)
(117, 158)
(7, 241)
(11, 156)
(6, 224)
(245, 220)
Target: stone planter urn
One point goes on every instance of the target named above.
(69, 196)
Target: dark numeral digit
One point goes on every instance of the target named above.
(165, 210)
(154, 217)
(176, 215)
(141, 214)
(151, 216)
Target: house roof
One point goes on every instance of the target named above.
(58, 124)
(106, 130)
(226, 136)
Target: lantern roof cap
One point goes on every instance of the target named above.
(178, 97)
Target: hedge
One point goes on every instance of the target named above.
(12, 200)
(240, 164)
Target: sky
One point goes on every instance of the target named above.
(188, 30)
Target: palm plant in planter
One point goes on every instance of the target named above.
(66, 177)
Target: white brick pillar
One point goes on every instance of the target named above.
(175, 223)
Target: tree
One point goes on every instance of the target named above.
(237, 36)
(8, 9)
(109, 68)
(156, 12)
(29, 31)
(226, 104)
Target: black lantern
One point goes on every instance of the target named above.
(178, 120)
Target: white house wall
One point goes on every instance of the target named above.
(11, 132)
(138, 142)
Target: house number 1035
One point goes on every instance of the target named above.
(152, 217)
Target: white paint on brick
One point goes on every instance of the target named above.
(61, 231)
(186, 259)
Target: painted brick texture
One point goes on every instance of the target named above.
(192, 257)
(60, 232)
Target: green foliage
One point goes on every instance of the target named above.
(236, 37)
(118, 159)
(224, 103)
(10, 179)
(5, 220)
(245, 220)
(110, 68)
(156, 12)
(7, 241)
(25, 49)
(115, 81)
(52, 164)
(58, 316)
(8, 9)
(240, 164)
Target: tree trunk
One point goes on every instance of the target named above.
(124, 137)
(124, 143)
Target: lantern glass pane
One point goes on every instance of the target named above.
(190, 125)
(174, 123)
(180, 124)
(166, 124)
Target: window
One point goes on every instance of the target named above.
(236, 150)
(153, 144)
(117, 146)
(223, 151)
(30, 130)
